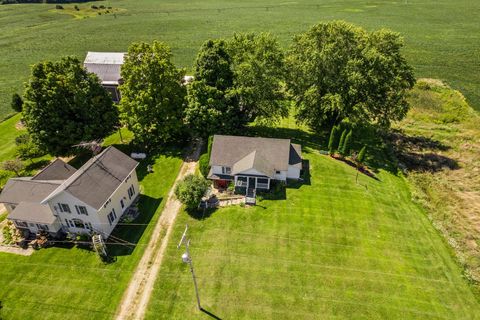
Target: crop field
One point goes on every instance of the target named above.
(330, 248)
(442, 36)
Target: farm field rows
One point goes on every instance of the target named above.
(66, 280)
(330, 247)
(442, 37)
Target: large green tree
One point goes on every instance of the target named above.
(236, 81)
(259, 75)
(213, 106)
(153, 96)
(64, 105)
(338, 71)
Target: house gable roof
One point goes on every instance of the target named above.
(33, 212)
(228, 150)
(98, 178)
(295, 156)
(27, 190)
(254, 160)
(56, 170)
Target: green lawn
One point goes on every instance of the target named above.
(442, 36)
(8, 133)
(331, 249)
(56, 283)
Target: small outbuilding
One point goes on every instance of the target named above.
(106, 65)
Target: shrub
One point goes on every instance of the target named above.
(203, 164)
(361, 155)
(346, 144)
(23, 138)
(17, 102)
(342, 138)
(59, 7)
(15, 165)
(76, 8)
(333, 139)
(191, 190)
(209, 146)
(94, 7)
(102, 7)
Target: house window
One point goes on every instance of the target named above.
(226, 170)
(107, 203)
(262, 180)
(112, 216)
(88, 225)
(64, 207)
(81, 210)
(278, 172)
(21, 224)
(42, 227)
(122, 204)
(78, 223)
(131, 191)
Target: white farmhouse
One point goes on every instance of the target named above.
(61, 199)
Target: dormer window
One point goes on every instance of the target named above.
(226, 170)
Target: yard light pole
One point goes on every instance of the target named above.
(186, 258)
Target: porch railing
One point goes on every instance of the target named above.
(262, 185)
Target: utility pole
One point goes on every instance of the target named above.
(186, 258)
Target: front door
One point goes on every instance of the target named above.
(251, 182)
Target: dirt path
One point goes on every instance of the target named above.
(135, 299)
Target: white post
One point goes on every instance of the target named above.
(268, 184)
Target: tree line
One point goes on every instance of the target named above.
(334, 72)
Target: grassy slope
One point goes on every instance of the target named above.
(442, 36)
(55, 282)
(8, 133)
(451, 196)
(332, 248)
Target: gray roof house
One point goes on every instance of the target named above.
(62, 199)
(106, 65)
(252, 162)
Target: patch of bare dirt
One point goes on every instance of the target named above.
(137, 295)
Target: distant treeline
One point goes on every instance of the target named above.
(43, 1)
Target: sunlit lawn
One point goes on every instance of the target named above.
(331, 249)
(61, 283)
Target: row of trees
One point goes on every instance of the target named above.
(331, 73)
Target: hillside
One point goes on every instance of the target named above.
(439, 144)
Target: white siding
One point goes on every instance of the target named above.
(282, 176)
(293, 173)
(252, 172)
(217, 169)
(119, 194)
(67, 198)
(32, 226)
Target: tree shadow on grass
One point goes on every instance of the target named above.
(34, 166)
(419, 153)
(200, 214)
(134, 231)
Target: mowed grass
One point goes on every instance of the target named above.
(442, 36)
(8, 133)
(59, 283)
(332, 249)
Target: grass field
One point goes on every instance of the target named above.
(442, 36)
(442, 147)
(331, 249)
(56, 282)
